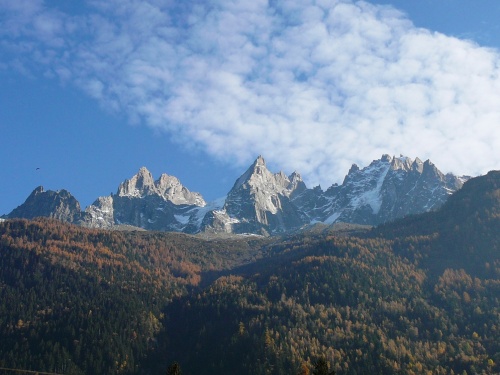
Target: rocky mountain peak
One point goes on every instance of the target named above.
(352, 171)
(259, 169)
(430, 169)
(417, 165)
(38, 190)
(260, 201)
(259, 180)
(295, 176)
(354, 168)
(386, 158)
(256, 172)
(167, 187)
(165, 181)
(58, 204)
(139, 185)
(171, 189)
(401, 163)
(260, 161)
(296, 185)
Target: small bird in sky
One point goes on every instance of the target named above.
(37, 168)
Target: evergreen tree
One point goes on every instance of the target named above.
(321, 367)
(304, 370)
(174, 369)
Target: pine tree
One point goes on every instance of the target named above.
(174, 369)
(321, 367)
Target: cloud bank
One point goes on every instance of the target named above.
(313, 85)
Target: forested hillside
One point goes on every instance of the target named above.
(464, 233)
(82, 301)
(353, 301)
(421, 295)
(417, 296)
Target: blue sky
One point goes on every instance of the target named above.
(91, 91)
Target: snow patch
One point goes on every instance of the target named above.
(332, 218)
(182, 219)
(200, 212)
(227, 219)
(133, 194)
(372, 197)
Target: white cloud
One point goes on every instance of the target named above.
(311, 85)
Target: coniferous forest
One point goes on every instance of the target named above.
(416, 296)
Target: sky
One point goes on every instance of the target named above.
(91, 91)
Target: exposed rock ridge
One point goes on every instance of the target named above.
(389, 188)
(167, 187)
(163, 204)
(59, 205)
(260, 202)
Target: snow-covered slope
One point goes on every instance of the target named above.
(387, 189)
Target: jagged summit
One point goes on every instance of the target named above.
(38, 190)
(259, 161)
(257, 170)
(260, 201)
(168, 187)
(259, 178)
(401, 162)
(141, 201)
(388, 188)
(58, 204)
(139, 185)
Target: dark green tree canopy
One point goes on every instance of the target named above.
(321, 367)
(174, 369)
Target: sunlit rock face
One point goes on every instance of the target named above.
(260, 202)
(387, 189)
(164, 204)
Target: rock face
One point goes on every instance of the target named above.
(389, 188)
(164, 204)
(260, 202)
(59, 205)
(100, 214)
(167, 187)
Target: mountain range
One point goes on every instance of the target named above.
(418, 295)
(260, 202)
